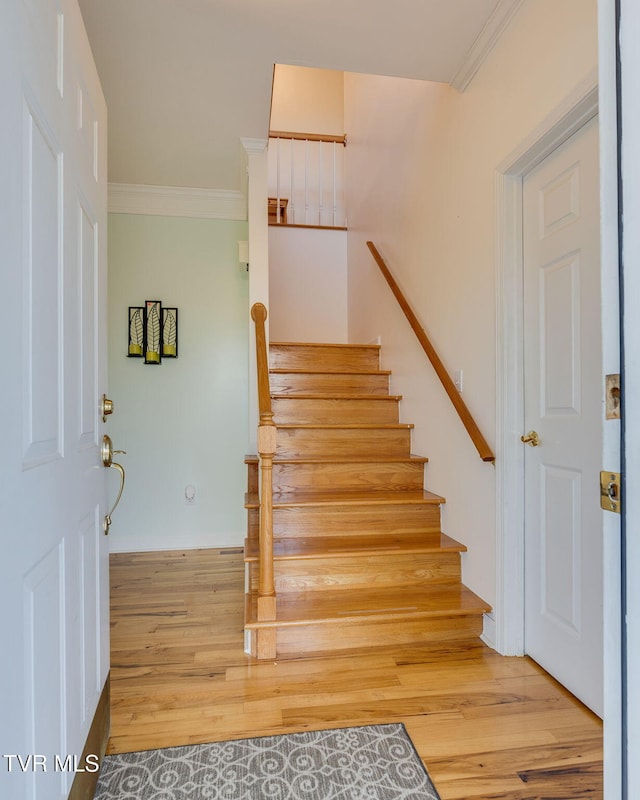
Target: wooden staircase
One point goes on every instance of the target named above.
(359, 557)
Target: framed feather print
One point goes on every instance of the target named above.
(136, 332)
(170, 332)
(153, 332)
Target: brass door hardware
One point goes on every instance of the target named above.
(106, 407)
(612, 396)
(531, 438)
(107, 453)
(610, 492)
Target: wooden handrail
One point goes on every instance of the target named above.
(309, 137)
(463, 412)
(266, 450)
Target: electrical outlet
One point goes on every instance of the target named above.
(190, 495)
(457, 380)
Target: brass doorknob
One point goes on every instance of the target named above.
(531, 438)
(106, 407)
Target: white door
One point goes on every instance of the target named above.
(54, 563)
(563, 405)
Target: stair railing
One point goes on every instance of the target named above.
(306, 179)
(463, 412)
(266, 452)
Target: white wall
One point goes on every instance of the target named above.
(307, 100)
(184, 422)
(420, 171)
(307, 285)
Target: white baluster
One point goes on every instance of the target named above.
(320, 197)
(306, 181)
(335, 205)
(278, 217)
(292, 201)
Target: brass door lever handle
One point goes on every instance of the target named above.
(531, 438)
(107, 453)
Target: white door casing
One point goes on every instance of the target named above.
(563, 404)
(54, 582)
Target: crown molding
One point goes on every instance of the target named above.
(176, 201)
(254, 146)
(502, 15)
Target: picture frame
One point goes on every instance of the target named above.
(136, 331)
(169, 332)
(153, 332)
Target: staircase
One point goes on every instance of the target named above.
(359, 557)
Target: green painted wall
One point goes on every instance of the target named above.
(185, 421)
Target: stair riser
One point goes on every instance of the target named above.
(325, 383)
(362, 633)
(334, 359)
(363, 476)
(293, 410)
(351, 572)
(292, 522)
(343, 442)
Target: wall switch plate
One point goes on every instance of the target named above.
(457, 380)
(190, 495)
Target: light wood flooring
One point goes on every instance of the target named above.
(485, 726)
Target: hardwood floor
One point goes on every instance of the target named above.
(486, 726)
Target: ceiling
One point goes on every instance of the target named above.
(184, 80)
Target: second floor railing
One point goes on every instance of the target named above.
(449, 386)
(306, 179)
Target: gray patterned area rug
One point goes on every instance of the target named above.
(374, 762)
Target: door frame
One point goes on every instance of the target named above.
(574, 112)
(580, 106)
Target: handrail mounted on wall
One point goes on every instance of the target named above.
(450, 388)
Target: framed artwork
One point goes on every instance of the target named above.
(170, 332)
(153, 332)
(136, 332)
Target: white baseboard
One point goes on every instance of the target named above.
(151, 544)
(489, 630)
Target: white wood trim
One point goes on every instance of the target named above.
(579, 107)
(497, 23)
(630, 66)
(176, 201)
(488, 635)
(509, 606)
(254, 146)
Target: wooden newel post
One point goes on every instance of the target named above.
(266, 451)
(266, 588)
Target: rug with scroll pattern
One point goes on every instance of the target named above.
(373, 762)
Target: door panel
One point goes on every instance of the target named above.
(54, 566)
(42, 279)
(563, 403)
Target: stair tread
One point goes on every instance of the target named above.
(388, 604)
(332, 498)
(392, 426)
(337, 345)
(329, 396)
(410, 459)
(335, 546)
(356, 373)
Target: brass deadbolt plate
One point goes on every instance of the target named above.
(610, 492)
